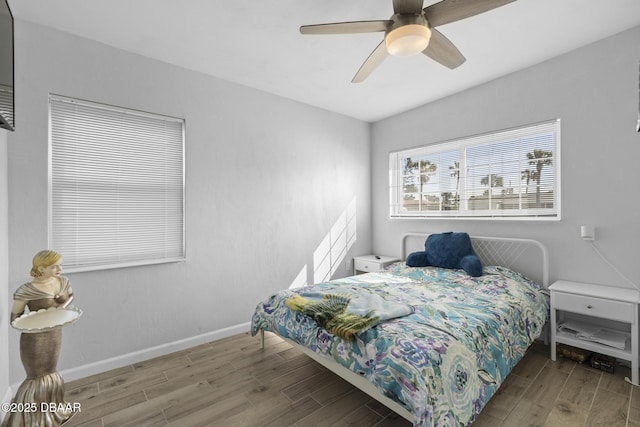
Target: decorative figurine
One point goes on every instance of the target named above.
(39, 400)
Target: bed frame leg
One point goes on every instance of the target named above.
(262, 339)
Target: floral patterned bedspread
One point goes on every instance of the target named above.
(444, 361)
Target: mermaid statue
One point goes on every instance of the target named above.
(39, 400)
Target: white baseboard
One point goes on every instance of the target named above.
(149, 353)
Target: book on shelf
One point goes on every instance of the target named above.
(593, 333)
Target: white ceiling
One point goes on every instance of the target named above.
(258, 43)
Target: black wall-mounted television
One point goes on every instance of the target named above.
(7, 103)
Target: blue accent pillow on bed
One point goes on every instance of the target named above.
(472, 265)
(418, 259)
(448, 250)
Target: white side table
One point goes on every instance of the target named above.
(371, 263)
(596, 301)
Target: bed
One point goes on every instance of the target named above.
(442, 342)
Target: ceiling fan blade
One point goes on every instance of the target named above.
(407, 6)
(376, 57)
(441, 50)
(347, 27)
(448, 11)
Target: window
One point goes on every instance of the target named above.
(117, 185)
(508, 174)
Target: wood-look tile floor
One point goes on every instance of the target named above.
(233, 382)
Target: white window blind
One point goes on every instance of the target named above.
(117, 185)
(508, 174)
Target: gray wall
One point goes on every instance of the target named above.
(266, 180)
(6, 72)
(594, 91)
(4, 267)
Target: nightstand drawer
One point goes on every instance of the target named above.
(366, 265)
(598, 307)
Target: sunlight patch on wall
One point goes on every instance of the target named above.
(333, 248)
(301, 279)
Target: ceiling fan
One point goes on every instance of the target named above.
(411, 30)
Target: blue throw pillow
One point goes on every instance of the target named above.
(417, 259)
(448, 250)
(472, 265)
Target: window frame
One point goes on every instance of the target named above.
(178, 253)
(516, 136)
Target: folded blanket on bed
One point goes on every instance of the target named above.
(346, 315)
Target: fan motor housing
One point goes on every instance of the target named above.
(402, 19)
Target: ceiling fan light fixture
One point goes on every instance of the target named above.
(408, 40)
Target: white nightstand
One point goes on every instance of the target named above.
(371, 263)
(596, 301)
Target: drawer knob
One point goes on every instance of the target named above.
(589, 306)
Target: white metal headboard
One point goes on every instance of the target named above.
(525, 256)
